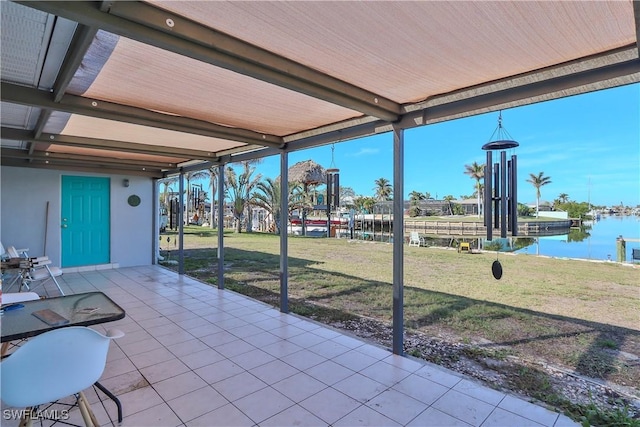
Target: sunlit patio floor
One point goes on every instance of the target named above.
(194, 355)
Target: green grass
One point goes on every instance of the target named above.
(571, 313)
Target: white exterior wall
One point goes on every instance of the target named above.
(24, 193)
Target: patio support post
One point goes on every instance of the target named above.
(284, 221)
(221, 226)
(398, 240)
(180, 217)
(156, 221)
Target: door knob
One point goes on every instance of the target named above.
(64, 226)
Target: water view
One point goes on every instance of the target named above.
(594, 240)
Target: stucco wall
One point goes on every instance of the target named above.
(24, 193)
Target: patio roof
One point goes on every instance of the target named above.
(152, 88)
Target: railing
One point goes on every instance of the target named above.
(462, 228)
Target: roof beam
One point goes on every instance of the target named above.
(82, 39)
(636, 15)
(82, 167)
(84, 159)
(148, 24)
(23, 95)
(106, 144)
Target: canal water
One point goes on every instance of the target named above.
(594, 240)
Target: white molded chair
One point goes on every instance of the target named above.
(55, 365)
(415, 239)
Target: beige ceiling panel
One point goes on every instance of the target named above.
(147, 77)
(408, 51)
(90, 127)
(66, 149)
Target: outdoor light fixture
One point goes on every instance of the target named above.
(125, 182)
(500, 185)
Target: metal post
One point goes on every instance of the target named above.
(221, 226)
(284, 220)
(503, 198)
(181, 224)
(398, 240)
(328, 201)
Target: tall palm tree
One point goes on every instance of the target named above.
(538, 181)
(383, 190)
(476, 171)
(167, 182)
(267, 196)
(415, 196)
(213, 181)
(240, 188)
(563, 197)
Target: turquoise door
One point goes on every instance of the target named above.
(85, 221)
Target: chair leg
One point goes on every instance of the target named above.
(25, 419)
(89, 417)
(3, 349)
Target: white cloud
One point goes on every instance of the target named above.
(364, 152)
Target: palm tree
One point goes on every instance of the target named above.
(415, 196)
(213, 180)
(383, 189)
(476, 171)
(538, 181)
(563, 197)
(240, 188)
(267, 196)
(168, 182)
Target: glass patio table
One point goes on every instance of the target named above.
(84, 309)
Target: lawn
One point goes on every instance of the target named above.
(582, 316)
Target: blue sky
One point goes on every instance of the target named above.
(588, 144)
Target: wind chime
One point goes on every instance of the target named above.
(500, 189)
(333, 189)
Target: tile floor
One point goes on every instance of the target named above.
(197, 356)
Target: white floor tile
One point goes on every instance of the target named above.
(225, 416)
(359, 387)
(421, 389)
(434, 418)
(299, 386)
(178, 385)
(329, 372)
(474, 389)
(500, 417)
(397, 406)
(330, 405)
(159, 415)
(466, 408)
(365, 416)
(238, 386)
(528, 410)
(196, 403)
(293, 417)
(263, 404)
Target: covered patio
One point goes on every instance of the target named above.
(127, 93)
(194, 355)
